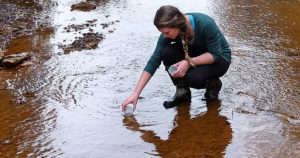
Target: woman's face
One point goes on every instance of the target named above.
(169, 32)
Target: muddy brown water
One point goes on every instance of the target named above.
(69, 105)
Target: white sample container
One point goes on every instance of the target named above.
(128, 111)
(172, 69)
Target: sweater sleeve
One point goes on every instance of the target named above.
(213, 39)
(155, 60)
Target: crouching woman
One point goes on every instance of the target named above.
(194, 44)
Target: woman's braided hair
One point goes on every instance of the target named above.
(171, 17)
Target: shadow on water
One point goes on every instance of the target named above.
(206, 135)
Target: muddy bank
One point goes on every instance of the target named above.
(21, 19)
(13, 23)
(26, 27)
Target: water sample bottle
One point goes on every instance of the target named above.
(172, 69)
(128, 111)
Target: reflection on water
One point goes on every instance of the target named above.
(202, 136)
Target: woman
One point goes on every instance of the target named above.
(194, 43)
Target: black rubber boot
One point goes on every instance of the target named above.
(182, 95)
(213, 88)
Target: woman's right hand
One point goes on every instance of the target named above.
(132, 99)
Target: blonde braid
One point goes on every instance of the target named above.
(184, 40)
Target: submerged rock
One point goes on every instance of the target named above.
(6, 142)
(83, 6)
(15, 59)
(26, 63)
(18, 100)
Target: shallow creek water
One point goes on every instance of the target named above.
(69, 105)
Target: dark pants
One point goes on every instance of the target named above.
(195, 77)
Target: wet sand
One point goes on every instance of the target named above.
(69, 104)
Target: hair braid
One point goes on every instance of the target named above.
(184, 40)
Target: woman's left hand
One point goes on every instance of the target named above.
(183, 67)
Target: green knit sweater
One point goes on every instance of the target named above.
(207, 38)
